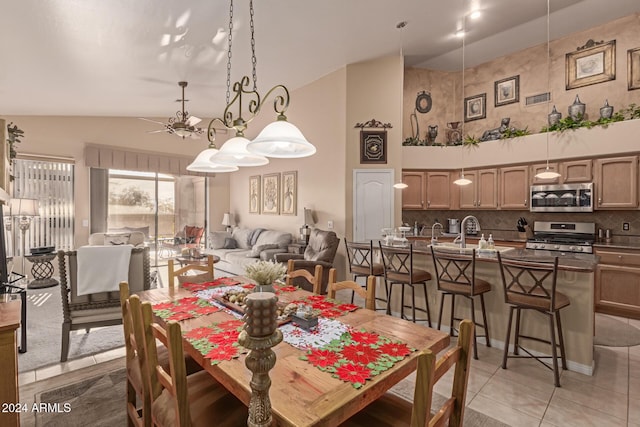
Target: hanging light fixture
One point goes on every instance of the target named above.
(203, 163)
(548, 173)
(462, 180)
(279, 139)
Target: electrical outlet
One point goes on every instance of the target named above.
(625, 226)
(330, 225)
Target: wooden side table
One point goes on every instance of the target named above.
(42, 270)
(9, 322)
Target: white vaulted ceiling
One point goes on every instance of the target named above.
(124, 58)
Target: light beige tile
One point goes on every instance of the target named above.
(611, 371)
(530, 372)
(634, 387)
(634, 411)
(477, 380)
(110, 355)
(61, 368)
(565, 413)
(502, 412)
(606, 401)
(517, 394)
(26, 377)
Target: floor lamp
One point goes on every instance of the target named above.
(25, 210)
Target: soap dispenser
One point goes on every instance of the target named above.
(490, 242)
(482, 244)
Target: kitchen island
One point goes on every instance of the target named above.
(575, 279)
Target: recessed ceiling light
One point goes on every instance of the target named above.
(475, 14)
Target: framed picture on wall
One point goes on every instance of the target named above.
(507, 91)
(271, 194)
(289, 193)
(633, 68)
(373, 146)
(254, 194)
(595, 62)
(475, 107)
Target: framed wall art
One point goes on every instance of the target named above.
(254, 194)
(271, 194)
(633, 68)
(507, 91)
(289, 193)
(595, 62)
(373, 146)
(475, 107)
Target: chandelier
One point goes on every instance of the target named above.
(279, 139)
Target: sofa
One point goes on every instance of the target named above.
(244, 246)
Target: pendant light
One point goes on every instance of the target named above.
(462, 180)
(548, 173)
(279, 139)
(203, 163)
(400, 26)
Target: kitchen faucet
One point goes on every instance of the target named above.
(463, 229)
(434, 238)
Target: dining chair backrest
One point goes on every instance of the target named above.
(315, 279)
(134, 378)
(397, 261)
(147, 353)
(455, 268)
(180, 273)
(368, 294)
(360, 258)
(451, 413)
(529, 283)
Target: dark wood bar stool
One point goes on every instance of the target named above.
(532, 286)
(456, 275)
(361, 264)
(398, 269)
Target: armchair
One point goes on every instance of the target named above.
(321, 250)
(188, 237)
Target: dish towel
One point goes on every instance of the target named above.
(102, 268)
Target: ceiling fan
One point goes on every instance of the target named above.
(182, 124)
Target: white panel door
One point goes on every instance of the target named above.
(372, 202)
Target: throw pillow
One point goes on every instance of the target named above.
(230, 243)
(116, 239)
(242, 237)
(217, 238)
(257, 249)
(253, 236)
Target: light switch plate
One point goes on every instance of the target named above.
(625, 226)
(330, 225)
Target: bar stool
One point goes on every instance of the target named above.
(398, 269)
(361, 264)
(456, 275)
(532, 286)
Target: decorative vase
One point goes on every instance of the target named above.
(260, 287)
(606, 111)
(577, 109)
(554, 116)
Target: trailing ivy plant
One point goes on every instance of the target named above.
(630, 113)
(14, 135)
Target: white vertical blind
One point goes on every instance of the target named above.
(51, 182)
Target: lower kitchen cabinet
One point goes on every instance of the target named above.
(618, 283)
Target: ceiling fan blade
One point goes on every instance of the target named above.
(193, 120)
(157, 131)
(152, 121)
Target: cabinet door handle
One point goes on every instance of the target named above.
(428, 203)
(599, 201)
(525, 202)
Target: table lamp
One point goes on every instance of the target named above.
(25, 210)
(226, 221)
(305, 230)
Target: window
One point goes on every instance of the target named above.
(51, 182)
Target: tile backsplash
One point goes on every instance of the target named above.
(502, 224)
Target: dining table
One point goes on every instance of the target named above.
(303, 393)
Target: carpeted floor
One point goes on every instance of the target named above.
(44, 333)
(101, 399)
(615, 332)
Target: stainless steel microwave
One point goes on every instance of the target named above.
(562, 198)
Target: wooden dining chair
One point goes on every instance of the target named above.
(182, 277)
(392, 410)
(368, 294)
(315, 279)
(135, 389)
(178, 399)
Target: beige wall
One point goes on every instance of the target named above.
(531, 65)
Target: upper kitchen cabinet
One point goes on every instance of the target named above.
(414, 196)
(514, 187)
(616, 182)
(438, 195)
(576, 171)
(538, 168)
(482, 193)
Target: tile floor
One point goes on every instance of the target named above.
(522, 395)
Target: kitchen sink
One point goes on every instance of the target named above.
(469, 248)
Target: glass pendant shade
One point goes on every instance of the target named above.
(462, 180)
(234, 153)
(203, 163)
(547, 174)
(281, 139)
(400, 185)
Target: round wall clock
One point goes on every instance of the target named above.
(423, 102)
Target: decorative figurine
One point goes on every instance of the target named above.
(554, 116)
(432, 133)
(606, 111)
(454, 136)
(577, 110)
(493, 134)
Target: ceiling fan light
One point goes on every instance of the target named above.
(203, 163)
(234, 153)
(281, 139)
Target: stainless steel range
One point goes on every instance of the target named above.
(563, 236)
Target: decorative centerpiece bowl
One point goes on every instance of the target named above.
(264, 273)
